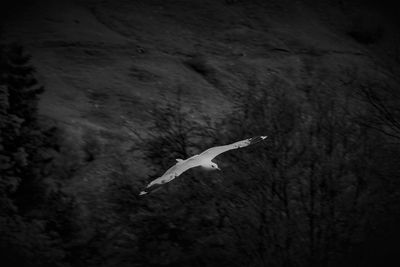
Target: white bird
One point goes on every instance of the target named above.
(203, 159)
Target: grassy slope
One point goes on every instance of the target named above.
(100, 60)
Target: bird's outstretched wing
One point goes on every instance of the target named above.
(173, 172)
(183, 165)
(215, 151)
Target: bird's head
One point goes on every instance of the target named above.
(214, 166)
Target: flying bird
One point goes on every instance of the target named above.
(204, 159)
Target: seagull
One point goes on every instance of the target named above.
(204, 159)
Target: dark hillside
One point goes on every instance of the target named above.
(98, 98)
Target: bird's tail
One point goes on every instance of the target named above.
(257, 139)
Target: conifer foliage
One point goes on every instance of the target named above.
(20, 132)
(25, 234)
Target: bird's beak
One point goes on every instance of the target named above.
(218, 169)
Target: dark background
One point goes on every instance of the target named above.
(98, 98)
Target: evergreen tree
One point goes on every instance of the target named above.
(30, 236)
(21, 137)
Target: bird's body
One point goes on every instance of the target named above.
(204, 159)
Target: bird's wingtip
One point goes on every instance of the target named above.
(142, 193)
(257, 139)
